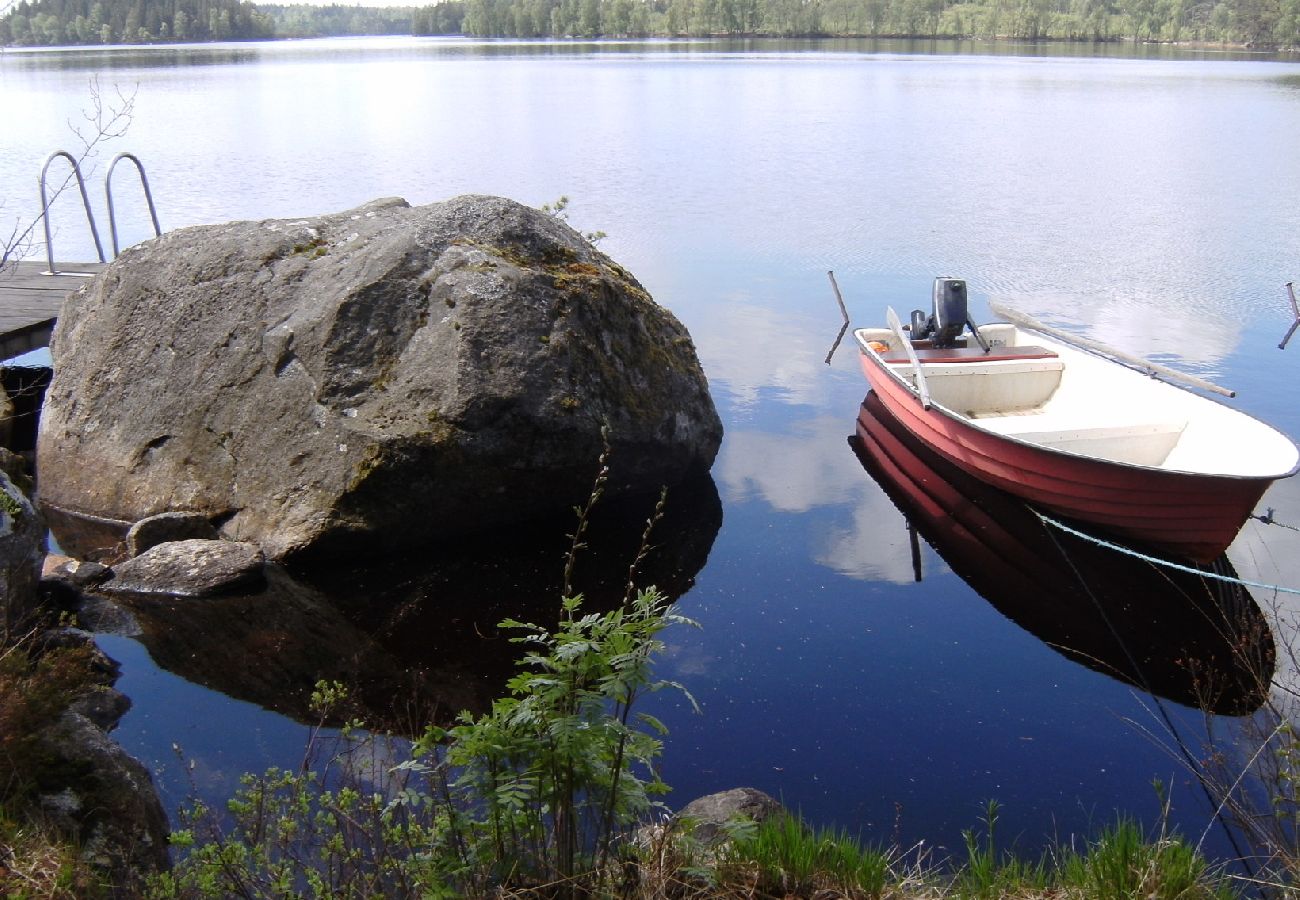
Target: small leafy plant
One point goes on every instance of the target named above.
(536, 795)
(560, 210)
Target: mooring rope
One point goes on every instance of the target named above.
(1189, 759)
(1128, 551)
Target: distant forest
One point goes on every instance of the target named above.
(1258, 23)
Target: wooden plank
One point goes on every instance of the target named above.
(30, 301)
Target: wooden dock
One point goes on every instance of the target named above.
(29, 302)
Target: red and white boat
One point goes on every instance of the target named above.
(1074, 432)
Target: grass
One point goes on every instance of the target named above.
(784, 856)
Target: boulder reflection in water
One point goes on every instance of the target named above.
(415, 639)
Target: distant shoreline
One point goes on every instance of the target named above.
(1193, 45)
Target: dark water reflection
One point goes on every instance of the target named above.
(1194, 640)
(415, 639)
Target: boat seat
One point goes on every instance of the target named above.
(1142, 442)
(980, 384)
(927, 355)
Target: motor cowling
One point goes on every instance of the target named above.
(950, 312)
(948, 316)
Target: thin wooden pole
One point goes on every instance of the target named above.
(1137, 362)
(843, 312)
(838, 298)
(1295, 311)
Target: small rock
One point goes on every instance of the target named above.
(193, 568)
(165, 527)
(102, 705)
(101, 665)
(64, 580)
(104, 616)
(14, 466)
(712, 812)
(76, 572)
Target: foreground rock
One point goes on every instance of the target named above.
(193, 568)
(392, 373)
(710, 814)
(22, 548)
(93, 792)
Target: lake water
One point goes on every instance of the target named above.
(1148, 202)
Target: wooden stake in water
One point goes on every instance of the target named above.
(1295, 311)
(843, 312)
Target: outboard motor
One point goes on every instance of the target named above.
(949, 316)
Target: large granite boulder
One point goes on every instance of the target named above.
(393, 373)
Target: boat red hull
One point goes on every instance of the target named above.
(1190, 515)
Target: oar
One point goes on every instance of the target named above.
(921, 387)
(1020, 318)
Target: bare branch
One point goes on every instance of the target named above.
(104, 122)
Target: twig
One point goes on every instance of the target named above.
(584, 512)
(109, 123)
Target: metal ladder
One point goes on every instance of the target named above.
(85, 202)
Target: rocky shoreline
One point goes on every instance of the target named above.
(388, 377)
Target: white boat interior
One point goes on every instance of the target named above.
(1035, 389)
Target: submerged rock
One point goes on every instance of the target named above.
(392, 373)
(193, 568)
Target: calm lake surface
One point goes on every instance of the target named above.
(1152, 203)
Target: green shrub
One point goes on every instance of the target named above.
(36, 685)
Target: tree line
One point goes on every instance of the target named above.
(54, 22)
(59, 22)
(1261, 23)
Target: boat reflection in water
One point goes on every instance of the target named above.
(1198, 641)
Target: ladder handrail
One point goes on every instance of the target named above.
(85, 202)
(148, 196)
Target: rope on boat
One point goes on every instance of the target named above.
(1268, 519)
(1128, 551)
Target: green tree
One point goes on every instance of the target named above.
(20, 29)
(1255, 20)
